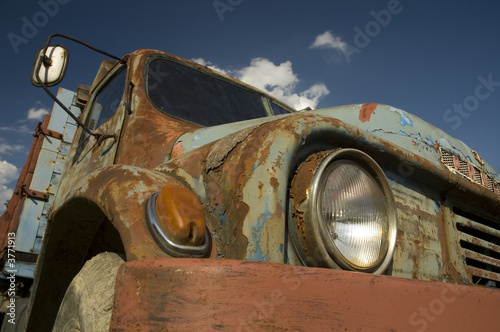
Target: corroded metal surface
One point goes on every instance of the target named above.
(230, 295)
(10, 219)
(256, 169)
(115, 193)
(407, 131)
(241, 174)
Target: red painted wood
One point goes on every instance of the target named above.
(198, 294)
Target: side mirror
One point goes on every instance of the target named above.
(50, 67)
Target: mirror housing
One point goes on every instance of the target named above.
(50, 67)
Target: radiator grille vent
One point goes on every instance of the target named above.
(480, 245)
(469, 171)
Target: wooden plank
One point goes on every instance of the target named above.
(197, 294)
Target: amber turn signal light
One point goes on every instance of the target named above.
(180, 214)
(177, 222)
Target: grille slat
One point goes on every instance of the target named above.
(479, 273)
(464, 237)
(479, 240)
(467, 223)
(494, 263)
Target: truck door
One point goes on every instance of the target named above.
(104, 116)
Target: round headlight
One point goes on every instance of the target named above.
(343, 212)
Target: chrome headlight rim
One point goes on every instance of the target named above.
(307, 228)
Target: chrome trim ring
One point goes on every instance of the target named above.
(306, 226)
(169, 246)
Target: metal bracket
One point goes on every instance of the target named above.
(44, 130)
(34, 193)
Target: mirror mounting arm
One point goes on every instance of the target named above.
(47, 62)
(58, 102)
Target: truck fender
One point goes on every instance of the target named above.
(115, 194)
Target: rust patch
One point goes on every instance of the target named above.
(265, 297)
(219, 151)
(299, 192)
(366, 111)
(274, 182)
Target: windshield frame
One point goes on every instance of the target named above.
(265, 100)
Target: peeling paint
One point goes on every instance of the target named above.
(241, 173)
(366, 111)
(405, 120)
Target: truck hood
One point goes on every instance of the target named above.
(388, 123)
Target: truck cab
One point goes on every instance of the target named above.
(192, 200)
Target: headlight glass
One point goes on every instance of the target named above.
(342, 212)
(353, 212)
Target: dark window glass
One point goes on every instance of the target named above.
(107, 101)
(197, 97)
(278, 109)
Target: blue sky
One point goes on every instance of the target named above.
(436, 59)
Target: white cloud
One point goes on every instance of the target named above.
(209, 64)
(37, 113)
(329, 40)
(8, 148)
(24, 129)
(278, 80)
(5, 195)
(8, 173)
(263, 74)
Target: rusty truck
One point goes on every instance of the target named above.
(183, 199)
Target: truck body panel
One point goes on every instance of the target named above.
(36, 189)
(242, 173)
(255, 296)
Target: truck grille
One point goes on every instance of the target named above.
(469, 171)
(480, 246)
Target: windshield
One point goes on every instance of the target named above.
(194, 96)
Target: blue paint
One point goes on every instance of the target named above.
(196, 137)
(361, 140)
(429, 142)
(402, 133)
(223, 217)
(438, 205)
(255, 165)
(281, 248)
(256, 237)
(418, 137)
(404, 119)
